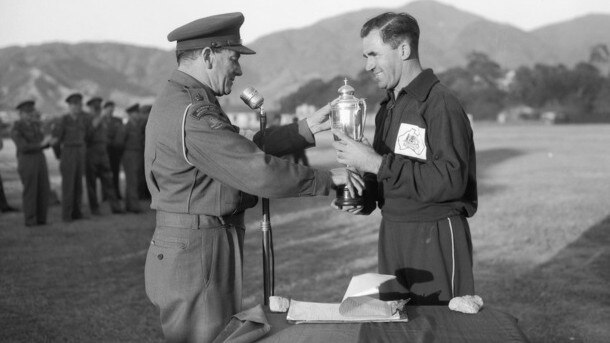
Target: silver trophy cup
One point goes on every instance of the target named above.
(348, 115)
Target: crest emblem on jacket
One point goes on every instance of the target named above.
(411, 141)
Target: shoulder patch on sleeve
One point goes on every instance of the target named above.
(212, 115)
(200, 109)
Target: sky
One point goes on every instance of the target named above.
(147, 22)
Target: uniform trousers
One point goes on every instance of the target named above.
(432, 261)
(32, 169)
(71, 167)
(193, 274)
(114, 157)
(133, 163)
(98, 166)
(3, 202)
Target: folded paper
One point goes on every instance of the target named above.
(359, 305)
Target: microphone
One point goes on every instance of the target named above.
(255, 101)
(252, 98)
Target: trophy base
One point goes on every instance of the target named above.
(344, 198)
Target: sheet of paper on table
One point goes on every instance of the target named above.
(357, 306)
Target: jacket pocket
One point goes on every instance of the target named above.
(228, 199)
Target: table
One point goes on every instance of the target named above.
(426, 324)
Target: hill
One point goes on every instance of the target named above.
(571, 41)
(49, 72)
(287, 59)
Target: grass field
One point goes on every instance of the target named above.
(541, 239)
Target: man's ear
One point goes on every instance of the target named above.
(208, 57)
(405, 50)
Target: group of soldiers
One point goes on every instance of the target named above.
(93, 144)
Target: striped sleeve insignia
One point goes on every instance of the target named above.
(199, 109)
(212, 114)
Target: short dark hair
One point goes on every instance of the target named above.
(192, 54)
(394, 29)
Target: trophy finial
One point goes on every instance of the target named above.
(346, 89)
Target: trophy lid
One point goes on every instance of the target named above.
(346, 89)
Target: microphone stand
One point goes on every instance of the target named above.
(267, 237)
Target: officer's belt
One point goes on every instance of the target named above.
(198, 221)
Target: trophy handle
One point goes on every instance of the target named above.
(363, 102)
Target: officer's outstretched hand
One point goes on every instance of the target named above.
(318, 121)
(348, 178)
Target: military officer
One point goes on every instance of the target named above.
(131, 138)
(4, 206)
(201, 173)
(115, 151)
(70, 132)
(31, 163)
(97, 161)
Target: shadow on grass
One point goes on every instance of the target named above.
(12, 332)
(566, 298)
(487, 159)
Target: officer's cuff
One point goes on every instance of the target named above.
(305, 131)
(322, 182)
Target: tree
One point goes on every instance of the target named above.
(483, 67)
(477, 85)
(600, 58)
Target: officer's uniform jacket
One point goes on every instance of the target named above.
(27, 136)
(114, 127)
(197, 162)
(71, 132)
(97, 138)
(131, 136)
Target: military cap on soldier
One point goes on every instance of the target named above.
(26, 105)
(109, 104)
(217, 31)
(133, 108)
(74, 98)
(94, 101)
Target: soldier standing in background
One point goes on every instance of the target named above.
(97, 161)
(31, 163)
(4, 206)
(143, 191)
(132, 138)
(115, 150)
(70, 132)
(300, 155)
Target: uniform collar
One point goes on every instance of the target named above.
(421, 85)
(192, 83)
